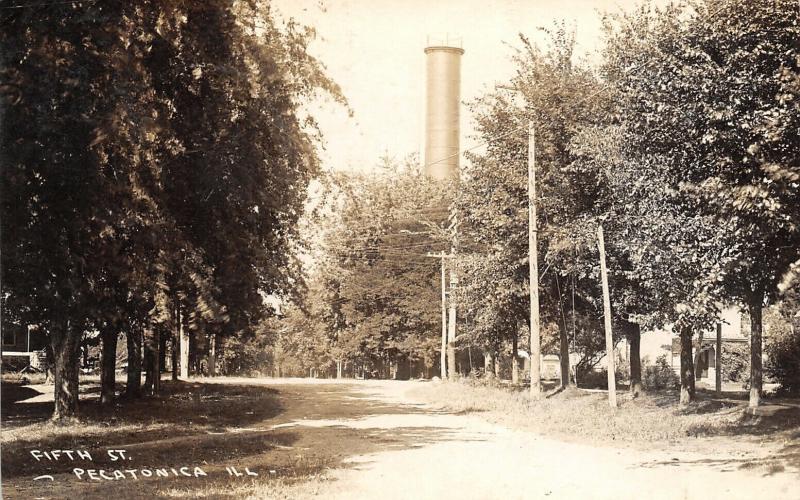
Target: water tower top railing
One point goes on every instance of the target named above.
(445, 40)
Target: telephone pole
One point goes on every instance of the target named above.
(718, 362)
(536, 375)
(612, 383)
(451, 326)
(443, 355)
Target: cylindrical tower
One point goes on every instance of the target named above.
(443, 99)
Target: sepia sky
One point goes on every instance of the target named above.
(374, 50)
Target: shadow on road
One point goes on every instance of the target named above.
(207, 425)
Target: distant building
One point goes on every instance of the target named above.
(22, 346)
(667, 342)
(549, 365)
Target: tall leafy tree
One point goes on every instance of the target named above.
(558, 96)
(71, 85)
(710, 93)
(156, 157)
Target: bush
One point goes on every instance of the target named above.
(598, 379)
(481, 378)
(736, 362)
(594, 379)
(783, 363)
(659, 376)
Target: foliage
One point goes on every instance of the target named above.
(660, 375)
(783, 346)
(784, 361)
(736, 362)
(707, 121)
(159, 166)
(558, 96)
(373, 299)
(250, 353)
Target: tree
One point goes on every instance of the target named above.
(710, 99)
(64, 191)
(126, 204)
(559, 96)
(373, 295)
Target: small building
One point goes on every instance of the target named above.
(549, 365)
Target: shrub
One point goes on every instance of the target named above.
(594, 379)
(736, 362)
(783, 362)
(598, 378)
(659, 376)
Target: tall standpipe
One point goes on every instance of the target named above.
(442, 129)
(443, 99)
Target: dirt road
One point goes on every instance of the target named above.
(461, 456)
(355, 439)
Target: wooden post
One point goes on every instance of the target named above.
(443, 356)
(612, 383)
(718, 363)
(536, 375)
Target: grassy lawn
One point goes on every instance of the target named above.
(709, 425)
(194, 425)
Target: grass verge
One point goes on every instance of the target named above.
(578, 415)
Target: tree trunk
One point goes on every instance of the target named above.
(212, 355)
(161, 351)
(338, 368)
(497, 364)
(563, 351)
(174, 349)
(183, 338)
(133, 386)
(219, 350)
(488, 364)
(152, 358)
(756, 325)
(687, 366)
(108, 367)
(65, 344)
(634, 340)
(515, 356)
(698, 370)
(195, 360)
(175, 344)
